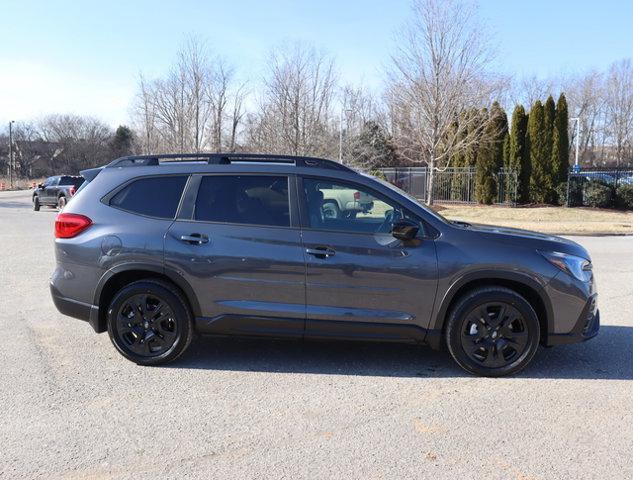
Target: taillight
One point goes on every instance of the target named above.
(69, 225)
(72, 190)
(356, 195)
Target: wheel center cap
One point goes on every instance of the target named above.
(494, 334)
(146, 324)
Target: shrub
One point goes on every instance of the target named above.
(598, 195)
(561, 193)
(624, 197)
(575, 192)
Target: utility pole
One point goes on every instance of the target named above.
(11, 153)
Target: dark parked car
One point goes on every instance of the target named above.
(56, 191)
(153, 249)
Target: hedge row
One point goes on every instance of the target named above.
(595, 193)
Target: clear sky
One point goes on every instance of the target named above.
(85, 56)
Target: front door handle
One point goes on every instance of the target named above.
(194, 239)
(321, 252)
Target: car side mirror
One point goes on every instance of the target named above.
(40, 185)
(405, 229)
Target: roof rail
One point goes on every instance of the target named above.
(226, 159)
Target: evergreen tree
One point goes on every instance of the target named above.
(490, 156)
(519, 160)
(550, 116)
(560, 142)
(122, 142)
(474, 131)
(540, 174)
(458, 162)
(506, 151)
(372, 148)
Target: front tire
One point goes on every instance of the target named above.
(61, 203)
(149, 322)
(36, 203)
(492, 332)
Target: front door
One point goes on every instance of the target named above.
(361, 281)
(50, 190)
(240, 250)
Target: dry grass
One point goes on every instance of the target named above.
(556, 220)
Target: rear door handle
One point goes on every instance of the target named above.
(321, 252)
(194, 239)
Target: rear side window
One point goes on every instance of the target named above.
(152, 196)
(246, 199)
(75, 181)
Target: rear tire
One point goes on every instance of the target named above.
(492, 332)
(150, 322)
(36, 203)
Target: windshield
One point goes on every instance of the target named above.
(392, 187)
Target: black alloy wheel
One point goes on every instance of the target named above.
(492, 331)
(146, 325)
(494, 334)
(149, 322)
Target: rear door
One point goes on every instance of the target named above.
(237, 242)
(362, 282)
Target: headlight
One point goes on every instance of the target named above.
(577, 267)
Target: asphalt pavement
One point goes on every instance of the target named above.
(72, 408)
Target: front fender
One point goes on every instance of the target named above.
(466, 280)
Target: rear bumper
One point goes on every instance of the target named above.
(73, 308)
(587, 326)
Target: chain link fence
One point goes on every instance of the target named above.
(452, 185)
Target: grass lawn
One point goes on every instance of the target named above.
(555, 220)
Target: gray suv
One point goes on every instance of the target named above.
(154, 248)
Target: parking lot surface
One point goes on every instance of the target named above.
(71, 407)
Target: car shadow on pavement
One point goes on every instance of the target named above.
(606, 357)
(13, 204)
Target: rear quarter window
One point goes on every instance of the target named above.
(152, 196)
(75, 181)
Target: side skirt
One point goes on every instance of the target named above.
(260, 326)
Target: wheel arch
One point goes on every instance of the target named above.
(117, 277)
(521, 283)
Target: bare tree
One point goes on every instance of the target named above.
(144, 113)
(237, 116)
(619, 107)
(194, 108)
(295, 108)
(586, 99)
(529, 89)
(440, 71)
(79, 141)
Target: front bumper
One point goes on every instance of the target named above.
(587, 326)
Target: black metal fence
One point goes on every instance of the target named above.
(452, 185)
(600, 187)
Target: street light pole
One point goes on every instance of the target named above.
(11, 153)
(577, 120)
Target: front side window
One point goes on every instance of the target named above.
(151, 196)
(350, 208)
(244, 199)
